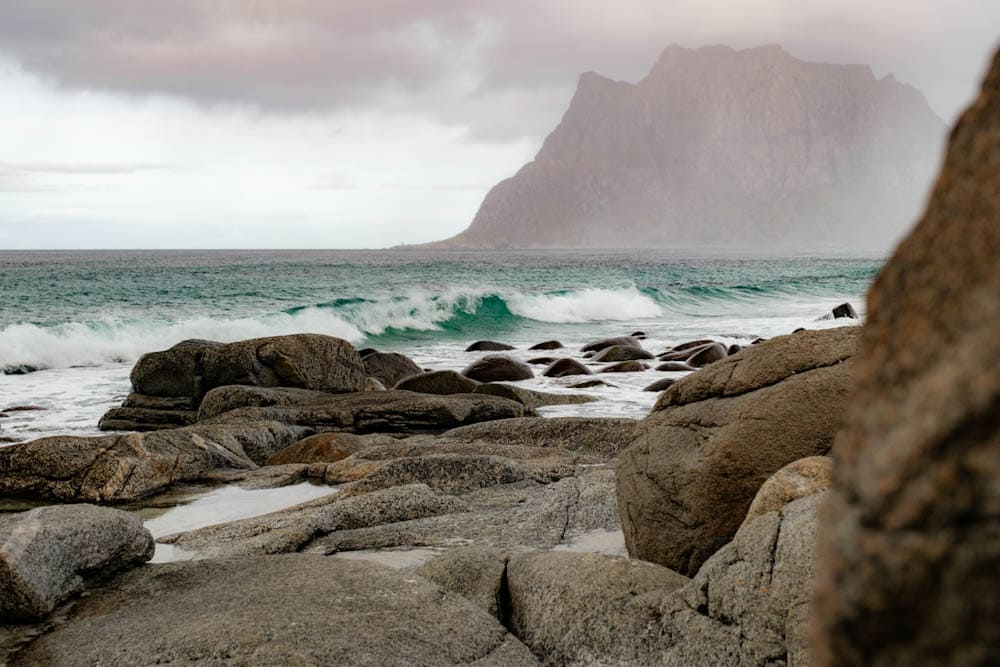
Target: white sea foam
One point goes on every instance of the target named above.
(586, 305)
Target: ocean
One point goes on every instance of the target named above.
(73, 322)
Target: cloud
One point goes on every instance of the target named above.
(501, 68)
(27, 168)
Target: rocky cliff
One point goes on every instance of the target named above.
(717, 147)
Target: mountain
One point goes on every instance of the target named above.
(718, 147)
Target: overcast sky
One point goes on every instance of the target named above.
(328, 123)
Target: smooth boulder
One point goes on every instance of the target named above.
(390, 367)
(625, 367)
(498, 368)
(910, 540)
(488, 346)
(530, 398)
(547, 345)
(438, 382)
(599, 345)
(715, 436)
(621, 353)
(48, 553)
(565, 368)
(707, 355)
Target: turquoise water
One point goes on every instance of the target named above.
(72, 323)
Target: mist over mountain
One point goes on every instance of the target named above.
(723, 148)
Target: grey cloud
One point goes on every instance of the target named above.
(505, 68)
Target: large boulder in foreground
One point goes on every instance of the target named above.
(910, 540)
(47, 553)
(119, 468)
(276, 610)
(715, 436)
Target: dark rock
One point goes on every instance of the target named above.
(134, 400)
(366, 351)
(660, 385)
(202, 611)
(489, 346)
(392, 411)
(733, 349)
(638, 334)
(324, 448)
(541, 361)
(715, 436)
(758, 341)
(910, 538)
(547, 345)
(565, 368)
(530, 398)
(674, 366)
(691, 344)
(439, 382)
(599, 345)
(799, 330)
(589, 384)
(23, 408)
(498, 368)
(621, 353)
(588, 355)
(118, 468)
(707, 355)
(47, 553)
(684, 354)
(625, 367)
(390, 367)
(145, 419)
(223, 399)
(845, 310)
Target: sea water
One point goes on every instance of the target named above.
(72, 323)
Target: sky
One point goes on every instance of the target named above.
(363, 124)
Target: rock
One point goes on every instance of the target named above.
(223, 399)
(145, 419)
(374, 384)
(530, 398)
(910, 545)
(564, 368)
(621, 353)
(733, 349)
(715, 436)
(675, 366)
(579, 609)
(845, 310)
(135, 400)
(498, 368)
(390, 367)
(324, 448)
(24, 408)
(547, 345)
(118, 468)
(477, 573)
(47, 553)
(593, 435)
(706, 355)
(366, 351)
(599, 345)
(590, 384)
(438, 382)
(638, 334)
(541, 361)
(798, 479)
(488, 346)
(691, 345)
(307, 361)
(625, 367)
(392, 411)
(202, 611)
(660, 385)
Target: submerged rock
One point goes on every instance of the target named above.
(660, 385)
(675, 366)
(488, 346)
(707, 355)
(547, 345)
(498, 368)
(46, 554)
(625, 367)
(715, 436)
(845, 310)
